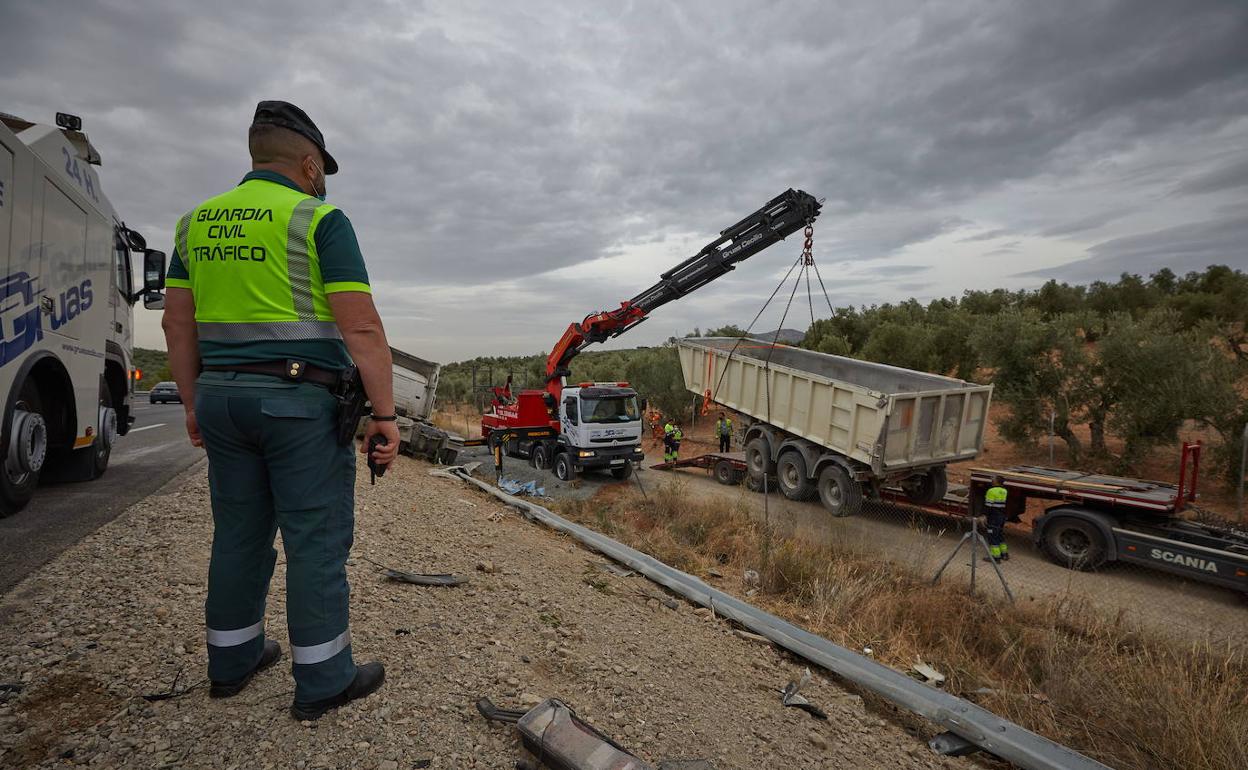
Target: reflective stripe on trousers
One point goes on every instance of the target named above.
(319, 653)
(235, 637)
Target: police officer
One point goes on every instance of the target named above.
(723, 429)
(994, 508)
(269, 297)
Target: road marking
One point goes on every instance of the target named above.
(148, 427)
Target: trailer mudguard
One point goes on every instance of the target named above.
(1105, 525)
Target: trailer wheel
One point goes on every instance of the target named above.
(726, 473)
(928, 488)
(27, 449)
(839, 493)
(1074, 544)
(791, 473)
(623, 472)
(540, 456)
(755, 483)
(758, 458)
(564, 469)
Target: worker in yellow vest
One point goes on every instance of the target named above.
(671, 442)
(723, 431)
(994, 508)
(269, 298)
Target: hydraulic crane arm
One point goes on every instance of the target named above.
(782, 216)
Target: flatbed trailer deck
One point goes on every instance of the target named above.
(1097, 519)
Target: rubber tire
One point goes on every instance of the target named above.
(564, 469)
(14, 497)
(540, 457)
(755, 483)
(758, 458)
(839, 493)
(1066, 555)
(86, 465)
(726, 473)
(622, 473)
(929, 488)
(792, 479)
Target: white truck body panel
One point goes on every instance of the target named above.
(884, 417)
(66, 283)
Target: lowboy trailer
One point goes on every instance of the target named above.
(1097, 519)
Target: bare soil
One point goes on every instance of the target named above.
(119, 615)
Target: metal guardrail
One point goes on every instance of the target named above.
(972, 723)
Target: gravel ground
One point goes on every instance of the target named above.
(119, 615)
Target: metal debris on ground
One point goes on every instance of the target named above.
(614, 569)
(527, 488)
(929, 674)
(789, 697)
(417, 578)
(552, 731)
(173, 691)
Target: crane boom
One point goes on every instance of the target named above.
(777, 219)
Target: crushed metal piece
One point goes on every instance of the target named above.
(928, 673)
(415, 578)
(789, 697)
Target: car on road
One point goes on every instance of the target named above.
(165, 393)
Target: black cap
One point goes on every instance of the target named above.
(287, 115)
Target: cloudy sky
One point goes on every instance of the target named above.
(510, 167)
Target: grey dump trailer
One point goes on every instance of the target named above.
(838, 427)
(415, 387)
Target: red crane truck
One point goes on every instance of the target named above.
(597, 425)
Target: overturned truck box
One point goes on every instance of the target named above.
(415, 386)
(838, 427)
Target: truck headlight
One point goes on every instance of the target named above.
(586, 453)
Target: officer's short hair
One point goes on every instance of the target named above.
(268, 143)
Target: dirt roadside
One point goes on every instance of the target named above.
(1179, 608)
(119, 615)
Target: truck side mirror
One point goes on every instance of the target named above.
(153, 271)
(154, 300)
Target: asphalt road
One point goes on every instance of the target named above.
(154, 451)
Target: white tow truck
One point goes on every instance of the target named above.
(66, 309)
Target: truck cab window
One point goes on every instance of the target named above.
(121, 259)
(612, 409)
(569, 406)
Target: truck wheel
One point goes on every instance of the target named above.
(541, 457)
(623, 472)
(88, 464)
(564, 469)
(758, 458)
(726, 472)
(839, 493)
(27, 449)
(1075, 544)
(928, 488)
(791, 473)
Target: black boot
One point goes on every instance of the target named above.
(368, 679)
(272, 652)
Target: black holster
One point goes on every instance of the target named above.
(352, 401)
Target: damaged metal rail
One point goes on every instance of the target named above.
(969, 722)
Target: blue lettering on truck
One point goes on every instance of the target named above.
(21, 322)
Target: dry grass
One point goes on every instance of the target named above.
(1127, 698)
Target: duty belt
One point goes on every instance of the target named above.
(290, 369)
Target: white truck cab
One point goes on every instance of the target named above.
(599, 429)
(66, 309)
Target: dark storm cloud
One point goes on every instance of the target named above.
(1182, 248)
(989, 235)
(1084, 224)
(1227, 177)
(489, 143)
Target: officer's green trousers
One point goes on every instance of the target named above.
(273, 462)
